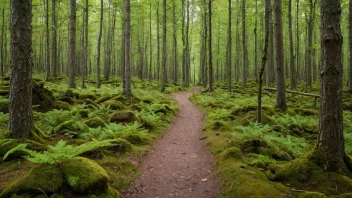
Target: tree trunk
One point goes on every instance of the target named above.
(244, 42)
(128, 48)
(174, 40)
(150, 43)
(210, 46)
(158, 41)
(292, 56)
(279, 56)
(47, 38)
(265, 53)
(20, 99)
(164, 49)
(331, 142)
(350, 46)
(229, 49)
(297, 42)
(256, 42)
(99, 41)
(3, 52)
(86, 43)
(72, 46)
(54, 57)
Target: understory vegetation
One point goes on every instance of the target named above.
(257, 160)
(88, 141)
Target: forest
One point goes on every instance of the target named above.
(175, 98)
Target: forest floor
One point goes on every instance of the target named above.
(180, 165)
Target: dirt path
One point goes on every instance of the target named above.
(179, 165)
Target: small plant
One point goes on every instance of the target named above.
(58, 153)
(252, 131)
(220, 114)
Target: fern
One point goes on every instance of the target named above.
(19, 147)
(4, 118)
(220, 114)
(288, 120)
(252, 131)
(56, 117)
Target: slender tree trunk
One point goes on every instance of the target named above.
(54, 57)
(150, 43)
(265, 53)
(72, 45)
(3, 51)
(256, 42)
(158, 41)
(229, 49)
(174, 41)
(292, 56)
(86, 43)
(279, 56)
(244, 41)
(297, 42)
(128, 91)
(211, 88)
(188, 53)
(164, 49)
(99, 41)
(47, 38)
(331, 142)
(350, 46)
(20, 99)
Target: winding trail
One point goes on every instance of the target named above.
(180, 165)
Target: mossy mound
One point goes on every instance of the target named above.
(216, 105)
(303, 130)
(42, 179)
(307, 173)
(103, 99)
(232, 152)
(263, 148)
(124, 116)
(311, 195)
(70, 125)
(135, 139)
(85, 176)
(306, 112)
(43, 98)
(62, 105)
(90, 96)
(114, 104)
(4, 105)
(91, 104)
(95, 122)
(84, 113)
(68, 96)
(121, 146)
(126, 100)
(245, 109)
(218, 125)
(347, 195)
(252, 116)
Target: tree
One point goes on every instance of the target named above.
(229, 49)
(99, 41)
(47, 38)
(279, 57)
(86, 43)
(128, 48)
(211, 88)
(331, 142)
(244, 44)
(292, 56)
(72, 46)
(264, 58)
(163, 58)
(54, 57)
(20, 99)
(350, 45)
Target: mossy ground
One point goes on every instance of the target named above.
(79, 116)
(262, 160)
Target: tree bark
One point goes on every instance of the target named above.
(3, 52)
(331, 142)
(86, 43)
(164, 49)
(47, 38)
(72, 46)
(292, 55)
(229, 48)
(279, 56)
(175, 41)
(244, 44)
(265, 53)
(54, 57)
(210, 46)
(20, 99)
(350, 46)
(99, 41)
(128, 91)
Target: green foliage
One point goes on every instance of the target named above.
(252, 131)
(56, 117)
(289, 120)
(219, 114)
(19, 147)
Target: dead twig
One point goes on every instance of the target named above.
(134, 186)
(203, 138)
(287, 195)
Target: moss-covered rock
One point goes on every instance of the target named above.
(71, 125)
(90, 96)
(135, 139)
(91, 104)
(114, 104)
(103, 99)
(121, 146)
(311, 195)
(218, 125)
(245, 109)
(124, 116)
(95, 122)
(41, 179)
(62, 105)
(85, 176)
(232, 152)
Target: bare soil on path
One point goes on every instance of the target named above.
(179, 165)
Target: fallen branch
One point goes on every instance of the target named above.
(294, 92)
(203, 138)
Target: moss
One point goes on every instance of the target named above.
(232, 152)
(90, 96)
(4, 105)
(103, 99)
(85, 176)
(43, 99)
(217, 126)
(263, 148)
(123, 116)
(62, 105)
(95, 122)
(257, 163)
(83, 113)
(135, 139)
(91, 103)
(43, 178)
(216, 105)
(251, 117)
(70, 125)
(110, 193)
(347, 195)
(114, 104)
(311, 195)
(245, 109)
(121, 146)
(127, 100)
(306, 112)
